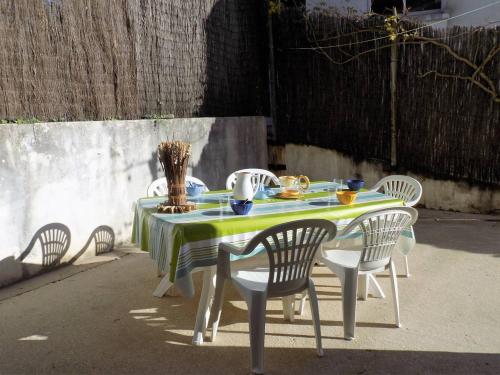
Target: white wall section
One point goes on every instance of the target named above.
(87, 174)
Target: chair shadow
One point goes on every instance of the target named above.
(384, 276)
(175, 333)
(297, 335)
(54, 240)
(103, 239)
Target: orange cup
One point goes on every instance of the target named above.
(346, 196)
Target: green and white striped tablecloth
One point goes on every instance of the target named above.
(179, 243)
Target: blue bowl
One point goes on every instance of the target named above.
(241, 207)
(194, 190)
(355, 185)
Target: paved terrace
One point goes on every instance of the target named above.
(100, 317)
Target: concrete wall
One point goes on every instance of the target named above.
(486, 17)
(345, 7)
(86, 174)
(323, 164)
(489, 16)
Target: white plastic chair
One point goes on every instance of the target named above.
(401, 187)
(291, 249)
(260, 176)
(159, 188)
(381, 230)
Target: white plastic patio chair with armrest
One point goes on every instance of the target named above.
(291, 249)
(159, 186)
(405, 188)
(381, 230)
(260, 176)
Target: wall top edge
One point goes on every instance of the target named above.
(137, 121)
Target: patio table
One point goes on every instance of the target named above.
(180, 244)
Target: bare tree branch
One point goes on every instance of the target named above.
(459, 58)
(478, 77)
(495, 96)
(488, 58)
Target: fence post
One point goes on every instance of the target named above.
(276, 150)
(394, 77)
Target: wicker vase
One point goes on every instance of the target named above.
(174, 157)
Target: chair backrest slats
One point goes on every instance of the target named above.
(291, 250)
(159, 187)
(401, 187)
(259, 176)
(381, 230)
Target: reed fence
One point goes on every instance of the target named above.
(447, 127)
(95, 59)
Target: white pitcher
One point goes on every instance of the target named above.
(244, 188)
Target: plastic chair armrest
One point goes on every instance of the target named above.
(229, 248)
(348, 229)
(376, 187)
(223, 258)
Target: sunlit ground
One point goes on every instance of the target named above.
(105, 319)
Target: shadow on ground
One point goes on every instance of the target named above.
(470, 233)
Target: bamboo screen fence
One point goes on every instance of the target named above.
(100, 59)
(93, 59)
(448, 128)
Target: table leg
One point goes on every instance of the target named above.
(203, 313)
(163, 286)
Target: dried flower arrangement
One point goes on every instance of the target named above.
(174, 156)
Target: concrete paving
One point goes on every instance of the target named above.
(103, 319)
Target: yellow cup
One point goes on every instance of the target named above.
(346, 196)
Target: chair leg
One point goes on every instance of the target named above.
(349, 280)
(286, 311)
(302, 304)
(217, 305)
(394, 283)
(374, 287)
(289, 308)
(313, 300)
(407, 267)
(363, 287)
(257, 323)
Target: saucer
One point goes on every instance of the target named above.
(288, 195)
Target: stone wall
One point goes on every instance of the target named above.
(87, 174)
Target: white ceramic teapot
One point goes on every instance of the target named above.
(244, 187)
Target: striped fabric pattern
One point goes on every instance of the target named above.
(180, 243)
